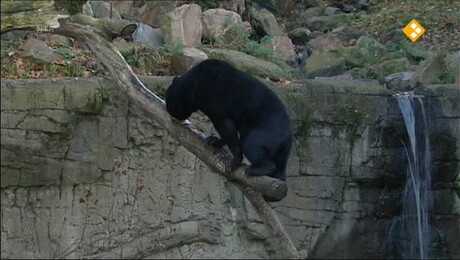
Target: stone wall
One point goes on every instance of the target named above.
(85, 174)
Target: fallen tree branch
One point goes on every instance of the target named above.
(191, 139)
(107, 28)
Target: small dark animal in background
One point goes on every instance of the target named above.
(248, 116)
(301, 54)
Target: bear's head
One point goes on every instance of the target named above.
(177, 101)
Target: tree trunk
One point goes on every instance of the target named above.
(107, 28)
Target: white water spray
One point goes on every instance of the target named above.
(412, 227)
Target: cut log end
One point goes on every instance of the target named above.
(128, 30)
(281, 190)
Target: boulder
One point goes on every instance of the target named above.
(38, 51)
(284, 7)
(336, 77)
(234, 5)
(324, 42)
(123, 7)
(315, 34)
(328, 22)
(14, 35)
(102, 10)
(416, 50)
(87, 9)
(247, 27)
(129, 9)
(452, 62)
(312, 11)
(323, 64)
(352, 56)
(348, 35)
(331, 10)
(392, 66)
(283, 46)
(399, 81)
(353, 5)
(265, 23)
(299, 36)
(217, 21)
(59, 40)
(359, 73)
(433, 71)
(248, 63)
(149, 36)
(311, 3)
(185, 25)
(370, 47)
(183, 61)
(154, 15)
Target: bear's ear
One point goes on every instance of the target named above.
(175, 78)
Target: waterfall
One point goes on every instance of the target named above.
(411, 229)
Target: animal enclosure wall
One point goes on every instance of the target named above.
(84, 174)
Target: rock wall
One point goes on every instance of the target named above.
(84, 174)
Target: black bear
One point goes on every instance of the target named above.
(248, 116)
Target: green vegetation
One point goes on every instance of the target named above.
(444, 74)
(383, 19)
(261, 51)
(353, 120)
(206, 4)
(65, 53)
(96, 104)
(236, 38)
(71, 6)
(386, 18)
(304, 126)
(74, 61)
(148, 61)
(172, 47)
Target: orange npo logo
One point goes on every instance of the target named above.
(413, 30)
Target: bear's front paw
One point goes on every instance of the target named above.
(214, 141)
(236, 162)
(233, 165)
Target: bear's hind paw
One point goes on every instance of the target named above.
(214, 141)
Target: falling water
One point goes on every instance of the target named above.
(412, 228)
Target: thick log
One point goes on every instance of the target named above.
(107, 28)
(269, 217)
(127, 81)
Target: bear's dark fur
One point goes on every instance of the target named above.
(248, 116)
